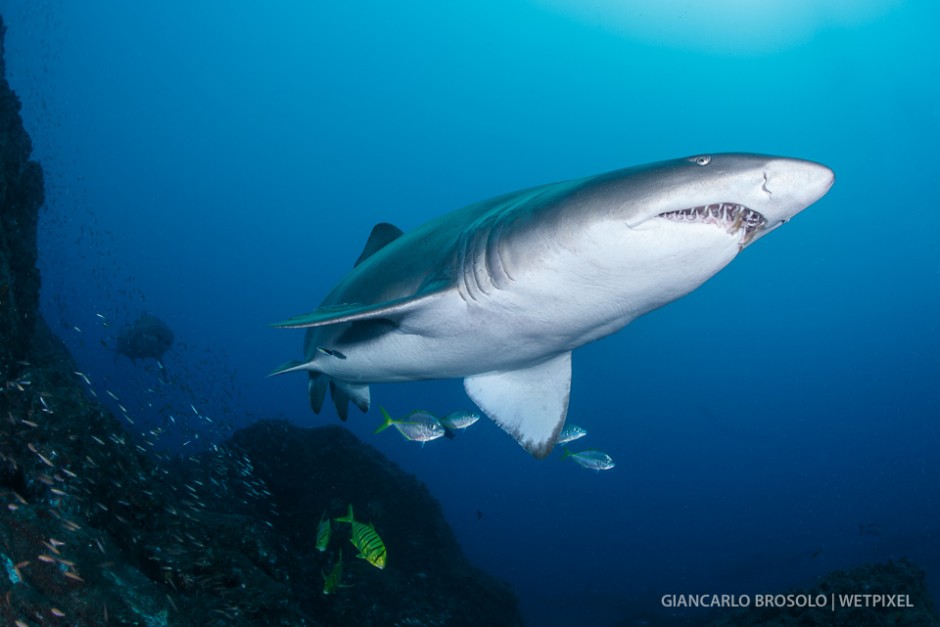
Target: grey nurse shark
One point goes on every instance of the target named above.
(500, 292)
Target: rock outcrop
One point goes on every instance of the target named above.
(97, 529)
(21, 195)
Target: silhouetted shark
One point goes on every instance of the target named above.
(147, 338)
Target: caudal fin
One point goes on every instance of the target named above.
(347, 518)
(388, 421)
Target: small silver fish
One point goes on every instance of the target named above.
(569, 434)
(459, 419)
(594, 460)
(418, 426)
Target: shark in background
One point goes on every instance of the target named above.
(148, 338)
(499, 293)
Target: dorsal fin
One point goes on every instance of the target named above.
(381, 236)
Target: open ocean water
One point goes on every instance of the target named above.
(220, 165)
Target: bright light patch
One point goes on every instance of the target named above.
(723, 26)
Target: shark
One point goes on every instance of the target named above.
(147, 337)
(499, 293)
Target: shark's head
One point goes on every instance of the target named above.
(745, 194)
(655, 233)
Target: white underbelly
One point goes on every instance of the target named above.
(567, 300)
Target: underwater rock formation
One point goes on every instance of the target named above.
(98, 529)
(21, 195)
(427, 580)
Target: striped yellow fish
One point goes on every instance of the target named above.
(366, 540)
(335, 579)
(323, 533)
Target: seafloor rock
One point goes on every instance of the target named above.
(892, 578)
(97, 529)
(427, 580)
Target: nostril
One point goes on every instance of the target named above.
(764, 187)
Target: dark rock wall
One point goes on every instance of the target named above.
(98, 529)
(21, 195)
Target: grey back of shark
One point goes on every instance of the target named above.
(500, 292)
(147, 338)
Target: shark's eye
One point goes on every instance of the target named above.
(702, 159)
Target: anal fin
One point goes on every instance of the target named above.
(529, 404)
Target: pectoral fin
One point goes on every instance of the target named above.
(350, 312)
(529, 404)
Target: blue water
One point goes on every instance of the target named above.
(220, 165)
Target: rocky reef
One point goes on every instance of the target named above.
(21, 195)
(312, 472)
(96, 528)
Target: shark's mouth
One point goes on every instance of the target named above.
(727, 215)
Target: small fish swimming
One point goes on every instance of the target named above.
(366, 540)
(569, 434)
(335, 579)
(418, 426)
(324, 531)
(594, 460)
(459, 419)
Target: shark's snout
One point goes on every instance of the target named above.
(794, 184)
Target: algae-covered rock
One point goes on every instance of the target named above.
(427, 580)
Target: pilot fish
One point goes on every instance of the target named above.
(418, 426)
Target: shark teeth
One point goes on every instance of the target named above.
(728, 215)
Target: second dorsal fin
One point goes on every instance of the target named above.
(381, 236)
